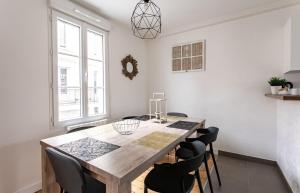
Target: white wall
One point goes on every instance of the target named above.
(128, 97)
(241, 56)
(288, 143)
(24, 112)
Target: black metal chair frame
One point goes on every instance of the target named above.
(179, 170)
(208, 136)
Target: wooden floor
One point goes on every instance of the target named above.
(138, 184)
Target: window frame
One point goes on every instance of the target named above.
(84, 27)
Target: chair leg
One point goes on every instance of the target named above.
(145, 189)
(61, 190)
(199, 181)
(215, 164)
(208, 174)
(182, 187)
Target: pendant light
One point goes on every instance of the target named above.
(146, 20)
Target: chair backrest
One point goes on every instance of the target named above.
(192, 164)
(209, 137)
(129, 117)
(68, 172)
(80, 129)
(175, 114)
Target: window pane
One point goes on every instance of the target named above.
(69, 89)
(95, 74)
(95, 87)
(95, 45)
(96, 101)
(68, 37)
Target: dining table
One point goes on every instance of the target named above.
(115, 159)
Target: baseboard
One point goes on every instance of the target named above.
(247, 158)
(284, 178)
(31, 188)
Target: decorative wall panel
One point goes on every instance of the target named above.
(188, 57)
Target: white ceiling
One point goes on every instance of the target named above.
(176, 13)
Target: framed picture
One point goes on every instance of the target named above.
(189, 57)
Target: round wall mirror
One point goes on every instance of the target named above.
(129, 67)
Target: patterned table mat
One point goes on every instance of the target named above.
(88, 148)
(157, 140)
(186, 125)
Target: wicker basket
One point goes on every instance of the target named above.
(126, 127)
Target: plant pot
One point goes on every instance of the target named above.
(275, 89)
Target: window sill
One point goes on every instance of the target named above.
(71, 124)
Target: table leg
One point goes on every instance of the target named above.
(48, 179)
(113, 186)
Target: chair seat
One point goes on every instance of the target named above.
(80, 129)
(157, 181)
(175, 114)
(93, 185)
(184, 153)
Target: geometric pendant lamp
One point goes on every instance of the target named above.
(146, 20)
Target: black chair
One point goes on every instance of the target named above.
(129, 117)
(209, 136)
(175, 114)
(176, 178)
(80, 129)
(70, 175)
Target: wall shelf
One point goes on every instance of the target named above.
(284, 97)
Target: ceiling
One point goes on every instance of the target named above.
(175, 13)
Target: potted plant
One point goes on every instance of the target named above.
(276, 84)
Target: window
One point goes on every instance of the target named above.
(79, 71)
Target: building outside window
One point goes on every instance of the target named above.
(63, 81)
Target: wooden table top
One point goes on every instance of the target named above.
(137, 152)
